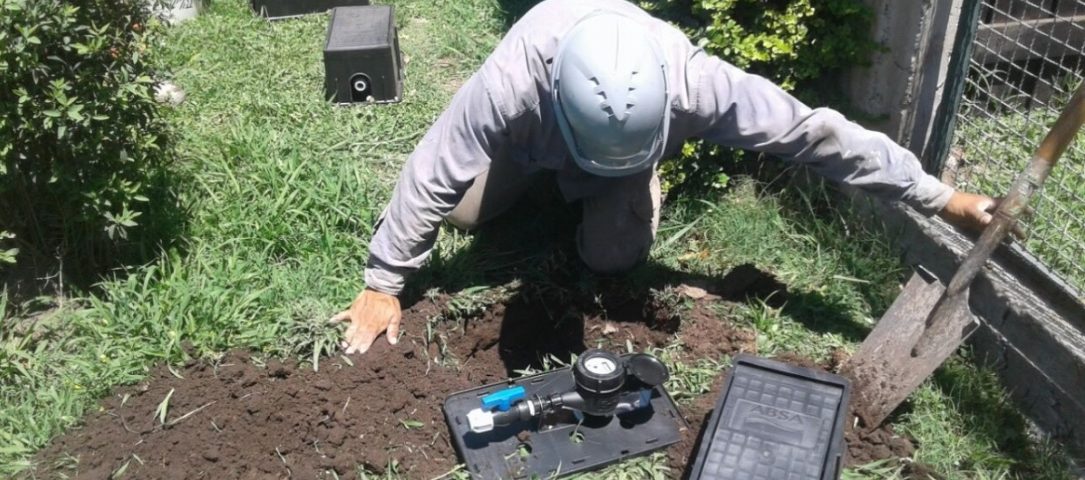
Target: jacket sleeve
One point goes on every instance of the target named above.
(455, 150)
(737, 109)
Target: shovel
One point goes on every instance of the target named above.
(927, 322)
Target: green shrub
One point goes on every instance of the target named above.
(7, 255)
(699, 168)
(795, 43)
(80, 135)
(792, 42)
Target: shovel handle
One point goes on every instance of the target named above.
(1024, 186)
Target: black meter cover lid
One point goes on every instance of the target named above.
(648, 369)
(599, 371)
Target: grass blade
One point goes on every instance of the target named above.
(189, 414)
(163, 408)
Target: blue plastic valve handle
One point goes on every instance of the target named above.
(502, 400)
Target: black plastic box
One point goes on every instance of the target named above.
(775, 421)
(361, 56)
(275, 9)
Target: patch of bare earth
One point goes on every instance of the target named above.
(241, 418)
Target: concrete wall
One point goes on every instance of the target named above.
(904, 83)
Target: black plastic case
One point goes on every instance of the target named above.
(523, 450)
(361, 56)
(775, 421)
(277, 9)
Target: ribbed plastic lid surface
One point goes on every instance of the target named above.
(354, 27)
(775, 421)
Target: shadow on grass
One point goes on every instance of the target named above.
(816, 214)
(57, 258)
(988, 412)
(521, 243)
(533, 244)
(808, 201)
(823, 314)
(514, 9)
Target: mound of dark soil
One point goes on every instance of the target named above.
(241, 418)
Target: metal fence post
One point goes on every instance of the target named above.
(945, 119)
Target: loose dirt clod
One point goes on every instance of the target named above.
(877, 445)
(236, 418)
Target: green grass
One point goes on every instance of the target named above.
(280, 192)
(839, 275)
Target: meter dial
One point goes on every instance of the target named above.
(600, 365)
(599, 377)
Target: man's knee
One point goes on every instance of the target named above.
(463, 220)
(619, 227)
(491, 193)
(613, 258)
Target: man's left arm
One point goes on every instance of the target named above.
(747, 111)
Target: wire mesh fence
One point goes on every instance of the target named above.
(1026, 60)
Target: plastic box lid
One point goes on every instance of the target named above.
(282, 9)
(775, 421)
(353, 28)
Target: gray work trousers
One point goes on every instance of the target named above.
(618, 225)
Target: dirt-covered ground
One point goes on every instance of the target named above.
(240, 417)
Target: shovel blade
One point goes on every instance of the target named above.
(887, 367)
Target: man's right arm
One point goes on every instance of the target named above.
(455, 150)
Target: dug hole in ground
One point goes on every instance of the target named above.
(246, 417)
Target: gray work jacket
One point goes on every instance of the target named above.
(505, 107)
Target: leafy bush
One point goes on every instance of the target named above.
(795, 43)
(7, 255)
(700, 167)
(789, 41)
(80, 136)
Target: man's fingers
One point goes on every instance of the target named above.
(340, 317)
(349, 334)
(369, 317)
(361, 342)
(983, 210)
(351, 337)
(393, 330)
(1017, 232)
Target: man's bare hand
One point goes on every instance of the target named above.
(969, 211)
(371, 314)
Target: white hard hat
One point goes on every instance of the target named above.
(610, 95)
